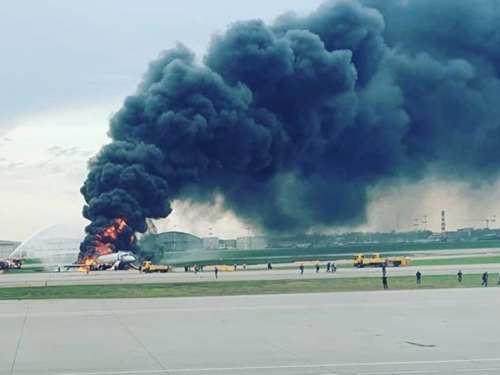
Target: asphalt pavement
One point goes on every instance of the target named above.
(122, 277)
(394, 332)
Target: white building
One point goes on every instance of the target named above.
(210, 243)
(58, 247)
(244, 243)
(7, 247)
(251, 243)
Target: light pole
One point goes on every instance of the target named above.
(424, 221)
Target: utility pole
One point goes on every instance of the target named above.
(424, 221)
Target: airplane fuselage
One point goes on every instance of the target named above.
(117, 260)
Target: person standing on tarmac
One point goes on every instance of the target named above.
(301, 268)
(334, 267)
(384, 282)
(216, 273)
(384, 272)
(317, 267)
(485, 279)
(328, 265)
(459, 275)
(419, 277)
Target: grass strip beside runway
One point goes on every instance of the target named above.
(456, 261)
(227, 288)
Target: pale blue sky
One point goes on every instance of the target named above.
(68, 52)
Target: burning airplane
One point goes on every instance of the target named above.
(102, 251)
(120, 260)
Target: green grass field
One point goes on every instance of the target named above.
(27, 270)
(228, 288)
(289, 255)
(456, 261)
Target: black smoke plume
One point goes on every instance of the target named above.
(292, 123)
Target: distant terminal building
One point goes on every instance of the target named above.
(7, 247)
(210, 243)
(244, 243)
(252, 243)
(179, 241)
(227, 244)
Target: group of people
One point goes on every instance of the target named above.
(418, 277)
(330, 268)
(194, 268)
(484, 278)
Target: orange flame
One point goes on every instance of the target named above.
(112, 232)
(103, 249)
(87, 262)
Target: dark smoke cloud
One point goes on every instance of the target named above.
(293, 123)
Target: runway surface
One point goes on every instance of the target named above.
(124, 277)
(376, 333)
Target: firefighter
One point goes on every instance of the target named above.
(419, 277)
(216, 272)
(301, 268)
(328, 265)
(459, 275)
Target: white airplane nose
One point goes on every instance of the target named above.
(128, 258)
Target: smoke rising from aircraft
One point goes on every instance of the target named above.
(294, 122)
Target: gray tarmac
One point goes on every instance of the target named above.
(375, 333)
(127, 277)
